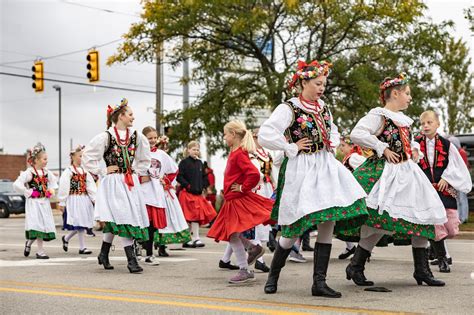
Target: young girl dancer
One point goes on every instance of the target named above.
(314, 189)
(119, 202)
(446, 170)
(37, 184)
(76, 195)
(197, 210)
(242, 209)
(401, 201)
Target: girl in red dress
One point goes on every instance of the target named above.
(242, 209)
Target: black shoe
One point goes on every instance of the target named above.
(189, 245)
(162, 251)
(227, 265)
(443, 265)
(27, 250)
(261, 266)
(442, 261)
(322, 253)
(422, 269)
(272, 243)
(435, 262)
(278, 262)
(43, 256)
(347, 253)
(65, 243)
(103, 257)
(85, 251)
(132, 265)
(355, 269)
(198, 243)
(305, 246)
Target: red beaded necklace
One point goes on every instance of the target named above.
(262, 153)
(41, 178)
(120, 141)
(314, 104)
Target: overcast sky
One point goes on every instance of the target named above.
(44, 28)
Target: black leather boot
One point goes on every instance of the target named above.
(355, 269)
(322, 252)
(422, 269)
(432, 250)
(132, 265)
(103, 257)
(272, 242)
(162, 251)
(278, 262)
(305, 246)
(440, 250)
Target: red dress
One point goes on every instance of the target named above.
(241, 210)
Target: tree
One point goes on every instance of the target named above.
(245, 50)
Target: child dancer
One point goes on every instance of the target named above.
(314, 189)
(242, 209)
(76, 195)
(197, 210)
(119, 202)
(154, 195)
(401, 200)
(37, 184)
(353, 158)
(444, 167)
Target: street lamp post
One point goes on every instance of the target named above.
(58, 88)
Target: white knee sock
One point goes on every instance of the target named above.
(247, 243)
(80, 236)
(195, 230)
(30, 242)
(325, 231)
(419, 242)
(369, 243)
(227, 253)
(126, 241)
(349, 245)
(446, 248)
(108, 237)
(286, 243)
(239, 251)
(70, 235)
(261, 260)
(39, 243)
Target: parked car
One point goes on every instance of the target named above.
(11, 202)
(467, 142)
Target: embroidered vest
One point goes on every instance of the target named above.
(265, 167)
(78, 184)
(346, 163)
(304, 125)
(114, 154)
(440, 162)
(397, 138)
(39, 184)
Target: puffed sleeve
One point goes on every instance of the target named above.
(364, 133)
(64, 186)
(252, 174)
(20, 183)
(456, 173)
(271, 133)
(334, 137)
(91, 186)
(93, 154)
(52, 181)
(356, 160)
(142, 156)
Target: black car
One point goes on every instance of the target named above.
(11, 202)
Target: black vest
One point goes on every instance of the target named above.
(304, 125)
(391, 135)
(439, 165)
(77, 184)
(39, 183)
(114, 155)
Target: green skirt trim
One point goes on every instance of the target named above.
(126, 230)
(172, 238)
(33, 234)
(347, 218)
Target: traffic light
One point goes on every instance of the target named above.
(93, 65)
(38, 76)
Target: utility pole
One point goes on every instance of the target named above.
(159, 87)
(58, 88)
(185, 80)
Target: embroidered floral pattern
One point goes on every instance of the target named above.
(78, 184)
(398, 138)
(114, 155)
(126, 230)
(45, 236)
(172, 238)
(39, 184)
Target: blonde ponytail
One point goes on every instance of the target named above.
(246, 136)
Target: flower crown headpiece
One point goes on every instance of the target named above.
(402, 79)
(33, 152)
(313, 70)
(114, 108)
(79, 148)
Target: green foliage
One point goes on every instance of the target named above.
(365, 40)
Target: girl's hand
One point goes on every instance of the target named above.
(236, 187)
(415, 155)
(303, 144)
(112, 169)
(442, 185)
(391, 156)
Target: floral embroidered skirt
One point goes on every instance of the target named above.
(126, 230)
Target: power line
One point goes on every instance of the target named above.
(91, 85)
(99, 9)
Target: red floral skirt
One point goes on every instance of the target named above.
(196, 208)
(239, 215)
(157, 216)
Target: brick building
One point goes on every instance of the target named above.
(11, 165)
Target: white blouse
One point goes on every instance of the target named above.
(65, 183)
(26, 176)
(94, 152)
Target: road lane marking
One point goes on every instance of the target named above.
(204, 298)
